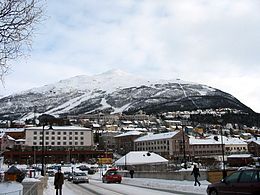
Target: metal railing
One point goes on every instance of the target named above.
(32, 190)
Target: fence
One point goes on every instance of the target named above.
(30, 188)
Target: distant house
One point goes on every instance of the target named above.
(125, 141)
(204, 147)
(238, 160)
(16, 133)
(6, 142)
(254, 147)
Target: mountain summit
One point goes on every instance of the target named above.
(112, 92)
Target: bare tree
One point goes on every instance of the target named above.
(18, 19)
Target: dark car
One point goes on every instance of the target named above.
(66, 174)
(70, 176)
(239, 182)
(112, 176)
(83, 168)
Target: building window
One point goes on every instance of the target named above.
(70, 133)
(76, 138)
(58, 133)
(34, 138)
(34, 143)
(64, 143)
(58, 143)
(81, 143)
(70, 143)
(47, 138)
(52, 143)
(47, 133)
(64, 133)
(52, 138)
(81, 138)
(81, 133)
(64, 138)
(53, 133)
(35, 133)
(58, 138)
(76, 133)
(46, 143)
(76, 143)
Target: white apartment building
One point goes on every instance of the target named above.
(65, 136)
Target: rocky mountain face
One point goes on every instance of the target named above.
(113, 92)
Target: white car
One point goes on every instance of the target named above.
(80, 177)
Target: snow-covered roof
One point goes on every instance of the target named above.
(256, 141)
(129, 133)
(10, 138)
(210, 140)
(20, 140)
(253, 139)
(139, 158)
(127, 122)
(13, 129)
(134, 129)
(240, 156)
(96, 125)
(60, 128)
(158, 136)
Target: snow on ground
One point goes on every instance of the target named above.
(182, 186)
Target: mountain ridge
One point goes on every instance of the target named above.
(112, 92)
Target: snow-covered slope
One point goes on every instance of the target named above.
(114, 91)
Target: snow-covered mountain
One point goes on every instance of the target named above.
(112, 92)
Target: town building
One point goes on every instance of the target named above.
(125, 141)
(169, 145)
(59, 136)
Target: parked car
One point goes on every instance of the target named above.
(91, 171)
(83, 168)
(244, 181)
(70, 176)
(112, 176)
(50, 173)
(66, 174)
(80, 177)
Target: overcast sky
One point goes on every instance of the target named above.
(214, 42)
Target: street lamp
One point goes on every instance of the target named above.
(44, 119)
(184, 150)
(224, 173)
(125, 162)
(43, 152)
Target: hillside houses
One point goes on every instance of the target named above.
(95, 136)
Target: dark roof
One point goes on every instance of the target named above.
(13, 169)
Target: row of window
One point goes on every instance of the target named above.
(58, 138)
(153, 148)
(58, 143)
(207, 152)
(152, 142)
(206, 146)
(58, 133)
(236, 148)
